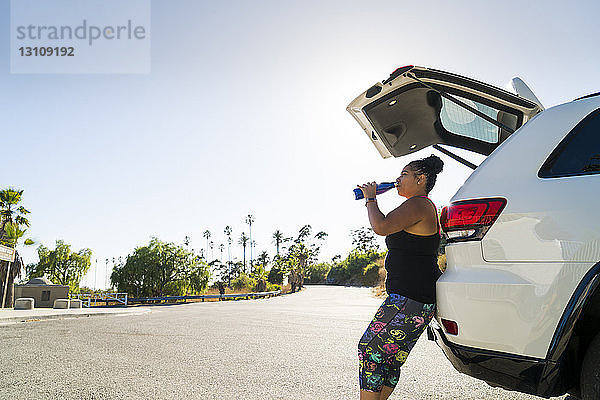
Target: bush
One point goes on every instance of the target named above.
(338, 274)
(275, 275)
(243, 281)
(271, 287)
(86, 290)
(359, 268)
(356, 261)
(261, 286)
(317, 272)
(370, 276)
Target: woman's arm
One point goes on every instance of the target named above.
(407, 214)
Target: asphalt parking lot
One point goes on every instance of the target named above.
(298, 346)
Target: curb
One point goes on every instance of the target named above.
(46, 317)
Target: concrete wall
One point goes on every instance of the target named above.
(36, 291)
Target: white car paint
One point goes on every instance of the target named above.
(508, 291)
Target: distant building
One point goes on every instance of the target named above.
(43, 291)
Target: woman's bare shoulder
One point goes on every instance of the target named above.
(425, 209)
(418, 202)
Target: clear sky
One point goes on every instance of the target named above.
(243, 111)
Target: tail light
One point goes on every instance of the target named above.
(470, 219)
(451, 327)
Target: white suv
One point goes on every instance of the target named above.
(519, 303)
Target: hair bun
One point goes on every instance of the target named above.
(434, 164)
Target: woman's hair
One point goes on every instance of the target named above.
(430, 167)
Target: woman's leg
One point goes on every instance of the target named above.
(387, 342)
(386, 391)
(366, 395)
(373, 363)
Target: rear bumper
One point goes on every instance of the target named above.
(509, 371)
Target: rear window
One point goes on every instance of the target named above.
(462, 122)
(578, 153)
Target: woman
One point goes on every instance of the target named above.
(413, 238)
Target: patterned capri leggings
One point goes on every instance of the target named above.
(389, 338)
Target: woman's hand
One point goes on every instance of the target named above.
(368, 189)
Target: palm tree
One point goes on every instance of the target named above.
(244, 242)
(277, 238)
(302, 253)
(12, 270)
(12, 221)
(303, 233)
(206, 234)
(229, 241)
(263, 259)
(105, 277)
(321, 235)
(221, 247)
(212, 246)
(228, 232)
(10, 211)
(260, 273)
(249, 221)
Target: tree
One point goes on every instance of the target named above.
(222, 271)
(357, 268)
(61, 265)
(206, 235)
(364, 240)
(10, 271)
(260, 276)
(161, 268)
(221, 247)
(228, 232)
(12, 229)
(11, 211)
(249, 221)
(277, 238)
(276, 272)
(316, 273)
(243, 241)
(302, 253)
(303, 233)
(263, 258)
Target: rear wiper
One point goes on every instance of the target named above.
(463, 105)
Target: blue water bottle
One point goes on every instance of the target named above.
(381, 188)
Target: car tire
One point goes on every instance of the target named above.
(590, 371)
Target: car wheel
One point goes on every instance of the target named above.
(590, 371)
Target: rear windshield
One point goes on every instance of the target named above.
(463, 122)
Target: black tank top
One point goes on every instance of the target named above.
(411, 265)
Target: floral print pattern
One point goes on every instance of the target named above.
(388, 340)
